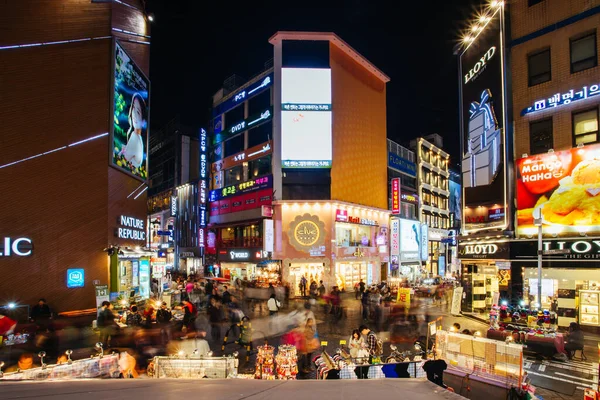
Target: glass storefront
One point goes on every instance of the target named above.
(311, 271)
(481, 285)
(572, 293)
(134, 277)
(353, 235)
(349, 274)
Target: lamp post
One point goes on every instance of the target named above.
(537, 221)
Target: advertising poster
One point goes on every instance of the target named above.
(403, 299)
(395, 243)
(131, 113)
(306, 118)
(482, 130)
(396, 196)
(455, 202)
(564, 186)
(410, 240)
(456, 300)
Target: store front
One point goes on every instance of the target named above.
(134, 274)
(570, 277)
(409, 248)
(436, 263)
(481, 262)
(338, 243)
(241, 263)
(190, 261)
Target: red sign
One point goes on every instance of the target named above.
(266, 211)
(396, 196)
(564, 186)
(341, 215)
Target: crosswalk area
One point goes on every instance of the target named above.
(580, 374)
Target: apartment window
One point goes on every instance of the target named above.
(540, 136)
(259, 167)
(539, 67)
(583, 52)
(533, 2)
(585, 127)
(234, 175)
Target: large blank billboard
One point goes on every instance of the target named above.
(306, 118)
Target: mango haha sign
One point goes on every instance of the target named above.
(131, 228)
(483, 250)
(20, 247)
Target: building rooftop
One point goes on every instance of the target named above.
(337, 41)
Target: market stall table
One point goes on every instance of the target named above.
(543, 345)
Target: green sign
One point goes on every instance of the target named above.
(101, 290)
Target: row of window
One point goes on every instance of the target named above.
(437, 221)
(246, 171)
(584, 55)
(585, 131)
(434, 159)
(434, 179)
(434, 200)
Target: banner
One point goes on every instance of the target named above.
(403, 297)
(396, 196)
(395, 247)
(456, 301)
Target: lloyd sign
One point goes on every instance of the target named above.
(483, 250)
(558, 249)
(480, 64)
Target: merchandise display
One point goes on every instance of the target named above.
(265, 363)
(588, 310)
(287, 362)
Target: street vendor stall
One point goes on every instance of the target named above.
(543, 342)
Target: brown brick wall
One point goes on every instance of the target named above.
(562, 79)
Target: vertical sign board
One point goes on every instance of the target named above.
(456, 300)
(424, 242)
(102, 294)
(269, 235)
(483, 129)
(395, 246)
(396, 196)
(202, 190)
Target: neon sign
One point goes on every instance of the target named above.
(20, 247)
(240, 188)
(562, 99)
(241, 126)
(396, 196)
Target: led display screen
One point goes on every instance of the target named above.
(306, 118)
(564, 187)
(130, 120)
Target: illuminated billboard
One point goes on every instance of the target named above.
(484, 155)
(410, 240)
(306, 118)
(564, 186)
(130, 120)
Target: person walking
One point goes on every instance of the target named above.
(214, 317)
(303, 283)
(106, 324)
(321, 289)
(273, 305)
(365, 305)
(41, 314)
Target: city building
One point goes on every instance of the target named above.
(294, 192)
(556, 100)
(74, 159)
(433, 188)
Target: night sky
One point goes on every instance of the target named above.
(197, 44)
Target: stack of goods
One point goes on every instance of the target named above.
(325, 364)
(265, 361)
(287, 362)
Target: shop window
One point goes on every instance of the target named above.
(259, 167)
(259, 103)
(349, 235)
(234, 145)
(540, 136)
(261, 134)
(234, 175)
(584, 54)
(241, 236)
(234, 116)
(585, 127)
(539, 67)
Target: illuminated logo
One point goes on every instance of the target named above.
(131, 228)
(306, 232)
(21, 247)
(480, 65)
(75, 278)
(480, 249)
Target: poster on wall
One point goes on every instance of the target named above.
(395, 237)
(306, 118)
(410, 240)
(130, 119)
(482, 130)
(455, 202)
(564, 186)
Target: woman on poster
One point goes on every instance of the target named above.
(134, 149)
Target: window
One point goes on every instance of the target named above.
(260, 134)
(540, 136)
(234, 175)
(583, 52)
(259, 103)
(585, 127)
(350, 235)
(234, 116)
(539, 67)
(259, 167)
(533, 2)
(234, 145)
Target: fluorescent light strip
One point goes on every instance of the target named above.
(19, 46)
(53, 151)
(131, 33)
(140, 193)
(88, 139)
(136, 189)
(128, 5)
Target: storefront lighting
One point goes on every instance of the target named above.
(286, 206)
(522, 303)
(295, 207)
(11, 305)
(477, 333)
(504, 303)
(327, 206)
(306, 206)
(317, 206)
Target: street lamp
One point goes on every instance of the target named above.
(537, 221)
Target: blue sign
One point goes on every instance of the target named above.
(562, 99)
(449, 240)
(442, 265)
(243, 95)
(398, 163)
(75, 278)
(164, 233)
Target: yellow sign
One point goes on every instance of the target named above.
(342, 342)
(323, 343)
(306, 232)
(403, 297)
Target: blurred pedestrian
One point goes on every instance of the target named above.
(41, 314)
(106, 324)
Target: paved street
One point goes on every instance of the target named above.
(226, 389)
